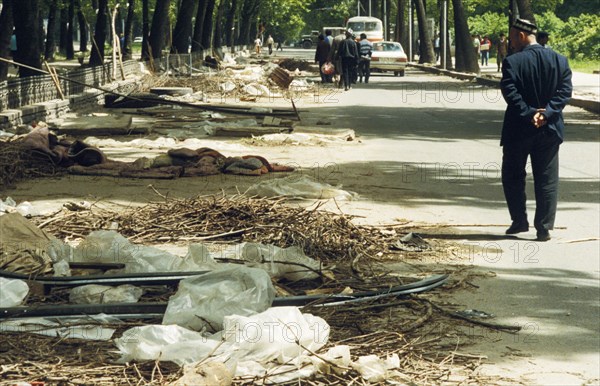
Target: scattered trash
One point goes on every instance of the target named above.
(374, 369)
(12, 292)
(288, 263)
(72, 328)
(201, 302)
(299, 187)
(24, 208)
(211, 373)
(102, 294)
(259, 346)
(111, 247)
(475, 314)
(412, 242)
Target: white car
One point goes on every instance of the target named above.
(389, 56)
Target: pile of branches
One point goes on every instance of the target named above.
(17, 164)
(321, 234)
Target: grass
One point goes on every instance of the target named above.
(587, 66)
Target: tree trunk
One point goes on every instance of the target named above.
(97, 56)
(26, 18)
(199, 26)
(444, 44)
(70, 51)
(229, 26)
(160, 23)
(183, 27)
(64, 17)
(207, 26)
(525, 10)
(128, 33)
(218, 36)
(51, 32)
(466, 57)
(426, 54)
(145, 30)
(249, 12)
(401, 24)
(83, 28)
(6, 31)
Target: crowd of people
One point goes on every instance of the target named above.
(344, 57)
(483, 47)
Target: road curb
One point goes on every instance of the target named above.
(586, 103)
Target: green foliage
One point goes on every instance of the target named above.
(489, 24)
(285, 19)
(581, 37)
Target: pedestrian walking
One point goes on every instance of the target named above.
(536, 85)
(321, 57)
(502, 51)
(270, 43)
(364, 65)
(485, 47)
(348, 55)
(257, 45)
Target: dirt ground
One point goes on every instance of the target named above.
(379, 201)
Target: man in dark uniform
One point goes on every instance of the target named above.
(536, 85)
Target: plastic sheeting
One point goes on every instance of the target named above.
(103, 294)
(111, 247)
(274, 344)
(203, 301)
(298, 187)
(24, 208)
(290, 263)
(12, 292)
(77, 327)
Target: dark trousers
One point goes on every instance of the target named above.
(364, 70)
(543, 150)
(347, 71)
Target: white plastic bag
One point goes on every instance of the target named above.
(298, 187)
(290, 263)
(202, 301)
(374, 369)
(12, 292)
(103, 294)
(111, 247)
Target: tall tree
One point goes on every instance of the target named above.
(426, 54)
(6, 30)
(70, 51)
(207, 26)
(401, 32)
(128, 33)
(248, 19)
(525, 10)
(466, 58)
(145, 30)
(160, 24)
(63, 26)
(229, 23)
(97, 56)
(26, 16)
(51, 32)
(199, 26)
(83, 28)
(183, 26)
(218, 35)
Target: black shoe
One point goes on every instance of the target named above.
(517, 227)
(543, 235)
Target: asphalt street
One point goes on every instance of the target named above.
(436, 142)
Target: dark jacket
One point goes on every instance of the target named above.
(322, 52)
(347, 49)
(535, 78)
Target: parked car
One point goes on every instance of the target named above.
(138, 39)
(389, 56)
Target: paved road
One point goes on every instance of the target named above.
(435, 141)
